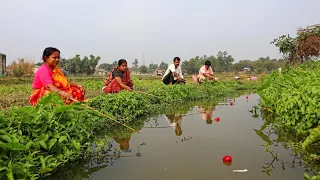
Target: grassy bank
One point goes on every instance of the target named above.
(15, 91)
(293, 97)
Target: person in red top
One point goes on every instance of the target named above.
(119, 79)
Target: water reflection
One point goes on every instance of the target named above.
(175, 121)
(275, 137)
(206, 113)
(175, 118)
(123, 141)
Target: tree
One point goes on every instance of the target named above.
(153, 67)
(262, 65)
(143, 69)
(39, 63)
(224, 62)
(93, 62)
(135, 63)
(76, 65)
(163, 65)
(108, 67)
(20, 68)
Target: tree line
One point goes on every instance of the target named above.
(222, 62)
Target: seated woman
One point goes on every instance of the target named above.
(50, 78)
(119, 79)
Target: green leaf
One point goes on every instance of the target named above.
(3, 132)
(65, 108)
(62, 138)
(43, 145)
(13, 146)
(45, 170)
(51, 143)
(76, 144)
(5, 138)
(44, 137)
(263, 136)
(315, 90)
(3, 168)
(29, 110)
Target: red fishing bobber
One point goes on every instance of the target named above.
(217, 119)
(227, 159)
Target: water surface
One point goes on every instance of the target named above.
(191, 146)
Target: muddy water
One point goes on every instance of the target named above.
(191, 146)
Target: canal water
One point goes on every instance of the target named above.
(191, 145)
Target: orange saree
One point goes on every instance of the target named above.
(61, 82)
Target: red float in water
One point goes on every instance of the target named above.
(217, 119)
(227, 159)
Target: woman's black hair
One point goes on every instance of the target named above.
(121, 61)
(176, 59)
(48, 52)
(208, 63)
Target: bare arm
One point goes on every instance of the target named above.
(64, 95)
(76, 85)
(119, 80)
(73, 84)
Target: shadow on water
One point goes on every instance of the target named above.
(187, 137)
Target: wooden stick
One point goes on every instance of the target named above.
(106, 116)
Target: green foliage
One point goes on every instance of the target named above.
(78, 66)
(261, 65)
(108, 67)
(286, 44)
(36, 140)
(297, 49)
(163, 65)
(220, 63)
(143, 69)
(293, 95)
(135, 63)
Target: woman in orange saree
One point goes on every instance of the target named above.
(119, 79)
(50, 78)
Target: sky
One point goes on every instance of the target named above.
(159, 29)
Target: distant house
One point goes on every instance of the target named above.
(159, 72)
(100, 72)
(247, 68)
(2, 64)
